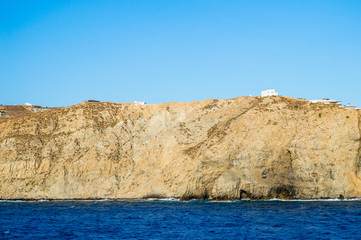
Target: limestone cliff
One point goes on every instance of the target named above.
(243, 148)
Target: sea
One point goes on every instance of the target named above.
(173, 219)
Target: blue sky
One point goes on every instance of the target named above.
(59, 53)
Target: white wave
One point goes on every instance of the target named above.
(315, 200)
(169, 199)
(160, 199)
(191, 200)
(40, 200)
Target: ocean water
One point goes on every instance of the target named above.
(180, 220)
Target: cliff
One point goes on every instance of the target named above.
(243, 148)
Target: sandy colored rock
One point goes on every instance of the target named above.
(243, 148)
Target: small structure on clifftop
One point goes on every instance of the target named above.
(326, 101)
(139, 103)
(330, 102)
(268, 93)
(350, 107)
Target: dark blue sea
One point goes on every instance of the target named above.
(180, 220)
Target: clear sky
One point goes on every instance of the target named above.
(59, 53)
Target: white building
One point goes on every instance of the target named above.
(28, 104)
(326, 101)
(339, 103)
(268, 93)
(350, 107)
(139, 103)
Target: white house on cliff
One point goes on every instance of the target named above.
(268, 93)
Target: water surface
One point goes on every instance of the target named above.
(182, 220)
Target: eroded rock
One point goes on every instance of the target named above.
(243, 148)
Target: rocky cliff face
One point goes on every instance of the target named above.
(243, 148)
